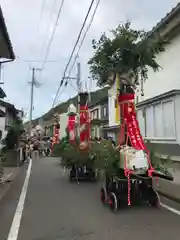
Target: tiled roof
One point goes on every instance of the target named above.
(8, 106)
(166, 19)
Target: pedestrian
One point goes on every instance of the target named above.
(28, 151)
(36, 150)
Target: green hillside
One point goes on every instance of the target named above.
(62, 107)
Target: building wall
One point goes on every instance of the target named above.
(63, 124)
(167, 78)
(2, 123)
(159, 121)
(95, 114)
(9, 118)
(114, 113)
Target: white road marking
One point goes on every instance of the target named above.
(170, 209)
(14, 230)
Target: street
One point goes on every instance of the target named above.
(56, 209)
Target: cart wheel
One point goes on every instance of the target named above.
(103, 195)
(154, 199)
(112, 201)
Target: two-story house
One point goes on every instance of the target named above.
(6, 50)
(158, 109)
(6, 55)
(8, 115)
(99, 115)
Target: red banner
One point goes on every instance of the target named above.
(84, 124)
(55, 139)
(71, 128)
(129, 114)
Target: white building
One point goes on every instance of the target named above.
(63, 124)
(95, 111)
(157, 110)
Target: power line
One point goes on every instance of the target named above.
(84, 36)
(49, 24)
(53, 33)
(41, 14)
(72, 53)
(42, 8)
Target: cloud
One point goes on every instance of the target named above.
(30, 35)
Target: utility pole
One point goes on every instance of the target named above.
(36, 84)
(78, 82)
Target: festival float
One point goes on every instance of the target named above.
(56, 127)
(125, 58)
(77, 152)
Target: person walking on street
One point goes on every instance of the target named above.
(36, 150)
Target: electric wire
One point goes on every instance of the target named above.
(84, 36)
(53, 33)
(72, 53)
(49, 23)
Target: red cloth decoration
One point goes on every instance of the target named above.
(129, 116)
(129, 119)
(71, 128)
(84, 120)
(55, 139)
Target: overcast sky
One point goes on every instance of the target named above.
(30, 34)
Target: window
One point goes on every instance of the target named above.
(158, 121)
(95, 114)
(168, 119)
(141, 121)
(104, 111)
(115, 103)
(149, 122)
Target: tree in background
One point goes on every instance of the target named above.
(13, 135)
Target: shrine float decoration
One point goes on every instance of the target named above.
(79, 158)
(56, 128)
(125, 58)
(131, 182)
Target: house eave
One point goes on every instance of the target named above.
(10, 53)
(157, 98)
(167, 24)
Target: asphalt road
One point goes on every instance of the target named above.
(55, 209)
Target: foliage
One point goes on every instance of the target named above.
(160, 164)
(106, 157)
(96, 122)
(128, 52)
(71, 155)
(59, 148)
(13, 135)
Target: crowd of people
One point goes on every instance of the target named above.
(35, 148)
